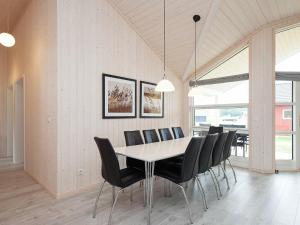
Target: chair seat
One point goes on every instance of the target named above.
(130, 176)
(136, 164)
(178, 159)
(171, 172)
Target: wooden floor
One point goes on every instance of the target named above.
(255, 200)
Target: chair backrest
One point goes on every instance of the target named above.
(110, 163)
(217, 154)
(150, 136)
(213, 130)
(165, 134)
(227, 148)
(206, 152)
(177, 132)
(190, 161)
(133, 137)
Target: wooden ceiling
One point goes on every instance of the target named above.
(11, 9)
(146, 18)
(287, 44)
(224, 22)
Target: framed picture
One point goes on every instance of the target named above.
(151, 102)
(118, 97)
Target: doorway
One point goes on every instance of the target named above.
(10, 120)
(18, 122)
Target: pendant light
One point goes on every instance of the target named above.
(194, 91)
(6, 39)
(164, 85)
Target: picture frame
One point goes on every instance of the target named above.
(151, 102)
(118, 97)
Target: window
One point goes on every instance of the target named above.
(224, 104)
(287, 114)
(229, 117)
(287, 60)
(284, 120)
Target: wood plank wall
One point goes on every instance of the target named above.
(262, 100)
(94, 39)
(34, 58)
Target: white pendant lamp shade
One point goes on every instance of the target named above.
(164, 86)
(194, 91)
(7, 40)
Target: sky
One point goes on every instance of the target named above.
(291, 64)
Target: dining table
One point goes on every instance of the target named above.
(151, 153)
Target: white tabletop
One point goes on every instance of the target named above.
(155, 151)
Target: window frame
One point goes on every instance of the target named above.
(284, 117)
(285, 133)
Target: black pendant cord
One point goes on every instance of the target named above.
(7, 19)
(196, 18)
(195, 50)
(164, 38)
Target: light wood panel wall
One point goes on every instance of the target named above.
(34, 58)
(94, 39)
(261, 122)
(3, 88)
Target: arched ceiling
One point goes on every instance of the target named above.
(224, 22)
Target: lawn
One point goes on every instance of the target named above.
(284, 147)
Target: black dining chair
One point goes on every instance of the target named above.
(227, 150)
(240, 140)
(215, 129)
(112, 174)
(177, 132)
(205, 164)
(187, 170)
(165, 134)
(150, 136)
(217, 158)
(134, 138)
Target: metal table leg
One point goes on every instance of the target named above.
(149, 177)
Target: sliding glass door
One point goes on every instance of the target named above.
(287, 99)
(224, 101)
(284, 117)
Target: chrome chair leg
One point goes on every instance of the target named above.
(202, 193)
(187, 203)
(113, 206)
(217, 181)
(232, 170)
(228, 187)
(131, 195)
(145, 201)
(215, 185)
(165, 191)
(113, 192)
(97, 199)
(186, 185)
